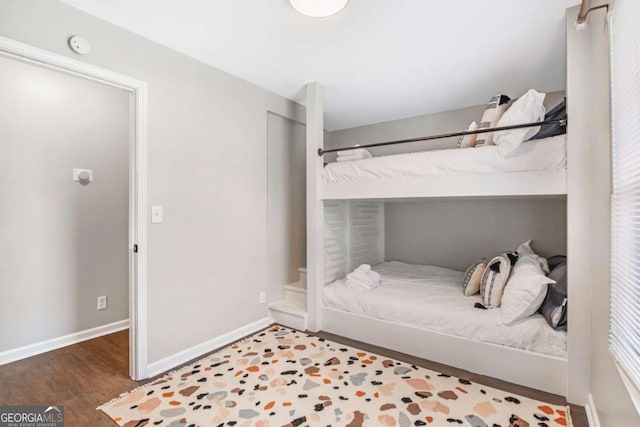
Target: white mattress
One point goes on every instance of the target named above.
(542, 154)
(431, 298)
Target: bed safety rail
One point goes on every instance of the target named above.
(561, 122)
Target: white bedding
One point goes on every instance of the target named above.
(542, 154)
(431, 298)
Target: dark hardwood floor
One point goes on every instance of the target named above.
(83, 376)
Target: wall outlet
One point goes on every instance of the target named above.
(263, 297)
(102, 303)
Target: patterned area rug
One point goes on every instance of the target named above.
(283, 377)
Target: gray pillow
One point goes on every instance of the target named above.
(556, 113)
(554, 307)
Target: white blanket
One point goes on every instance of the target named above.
(431, 298)
(542, 154)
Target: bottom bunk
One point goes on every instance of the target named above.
(421, 310)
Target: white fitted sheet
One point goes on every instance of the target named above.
(537, 155)
(431, 298)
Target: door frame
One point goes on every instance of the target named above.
(13, 49)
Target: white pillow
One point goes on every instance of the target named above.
(525, 250)
(494, 279)
(525, 291)
(528, 108)
(492, 113)
(468, 141)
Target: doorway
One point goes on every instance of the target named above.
(73, 184)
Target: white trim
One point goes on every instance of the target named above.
(582, 199)
(171, 362)
(632, 388)
(138, 182)
(542, 372)
(315, 206)
(534, 183)
(592, 414)
(56, 343)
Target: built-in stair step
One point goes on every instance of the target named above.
(295, 294)
(289, 313)
(302, 281)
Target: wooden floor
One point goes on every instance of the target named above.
(83, 376)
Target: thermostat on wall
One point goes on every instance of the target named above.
(79, 45)
(83, 175)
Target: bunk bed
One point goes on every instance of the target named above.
(430, 298)
(535, 168)
(345, 217)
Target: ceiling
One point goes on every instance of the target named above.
(378, 60)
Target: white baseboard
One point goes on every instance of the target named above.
(592, 414)
(56, 343)
(171, 362)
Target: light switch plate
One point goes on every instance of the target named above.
(156, 214)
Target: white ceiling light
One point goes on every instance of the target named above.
(318, 8)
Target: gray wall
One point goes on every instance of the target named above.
(287, 225)
(63, 243)
(430, 124)
(207, 166)
(456, 232)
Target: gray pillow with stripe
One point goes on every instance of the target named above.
(495, 278)
(492, 113)
(473, 277)
(554, 307)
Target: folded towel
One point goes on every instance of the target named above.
(351, 158)
(363, 278)
(354, 152)
(362, 268)
(350, 155)
(360, 287)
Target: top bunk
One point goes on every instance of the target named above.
(510, 159)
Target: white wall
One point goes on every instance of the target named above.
(63, 244)
(207, 167)
(287, 225)
(454, 233)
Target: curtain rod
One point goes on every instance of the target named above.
(583, 14)
(562, 122)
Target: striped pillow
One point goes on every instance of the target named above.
(472, 277)
(492, 113)
(495, 277)
(467, 141)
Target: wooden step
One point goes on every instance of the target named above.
(289, 313)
